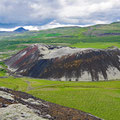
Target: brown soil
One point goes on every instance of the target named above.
(5, 102)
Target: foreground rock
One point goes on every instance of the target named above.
(66, 64)
(18, 112)
(15, 105)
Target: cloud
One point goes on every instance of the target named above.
(36, 28)
(53, 24)
(81, 11)
(64, 12)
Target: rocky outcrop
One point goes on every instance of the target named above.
(66, 64)
(16, 105)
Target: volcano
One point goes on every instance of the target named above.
(65, 63)
(21, 29)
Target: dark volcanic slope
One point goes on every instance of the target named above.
(64, 63)
(16, 105)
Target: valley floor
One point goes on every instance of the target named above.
(101, 99)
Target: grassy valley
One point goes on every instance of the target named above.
(101, 99)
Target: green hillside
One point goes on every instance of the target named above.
(98, 36)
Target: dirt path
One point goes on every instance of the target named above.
(29, 87)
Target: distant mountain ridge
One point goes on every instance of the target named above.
(21, 29)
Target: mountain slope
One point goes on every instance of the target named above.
(20, 29)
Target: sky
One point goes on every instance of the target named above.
(43, 14)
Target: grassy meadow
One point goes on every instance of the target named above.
(97, 45)
(101, 99)
(3, 71)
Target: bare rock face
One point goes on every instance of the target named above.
(66, 64)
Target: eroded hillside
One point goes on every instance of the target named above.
(65, 63)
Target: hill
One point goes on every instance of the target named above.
(21, 29)
(65, 63)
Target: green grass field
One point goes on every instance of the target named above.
(97, 45)
(101, 99)
(2, 69)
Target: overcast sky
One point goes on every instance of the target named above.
(58, 12)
